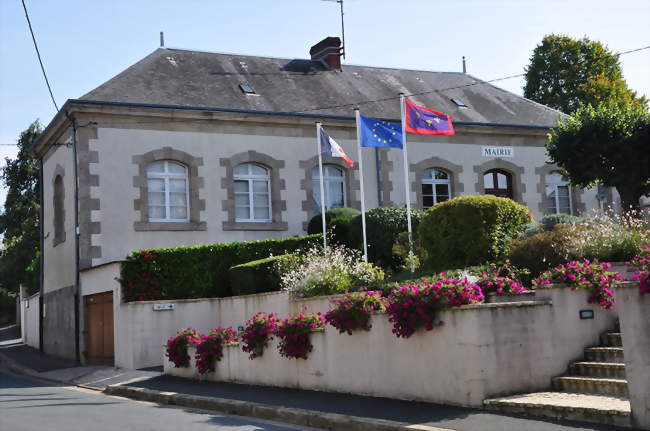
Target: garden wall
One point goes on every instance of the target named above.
(481, 351)
(635, 327)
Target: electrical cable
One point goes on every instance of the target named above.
(38, 54)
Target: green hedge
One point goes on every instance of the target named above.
(257, 276)
(316, 224)
(383, 225)
(197, 271)
(470, 230)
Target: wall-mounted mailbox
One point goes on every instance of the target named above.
(586, 314)
(163, 307)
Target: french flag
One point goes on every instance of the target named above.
(329, 147)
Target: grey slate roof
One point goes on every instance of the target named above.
(201, 79)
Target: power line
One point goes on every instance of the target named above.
(385, 99)
(38, 54)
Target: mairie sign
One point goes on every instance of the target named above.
(497, 152)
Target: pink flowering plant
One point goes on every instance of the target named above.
(209, 348)
(294, 334)
(502, 279)
(412, 307)
(352, 311)
(258, 332)
(176, 347)
(641, 264)
(584, 274)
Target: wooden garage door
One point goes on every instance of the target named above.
(98, 317)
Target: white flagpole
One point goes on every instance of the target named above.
(363, 201)
(406, 180)
(322, 184)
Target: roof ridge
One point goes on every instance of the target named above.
(344, 65)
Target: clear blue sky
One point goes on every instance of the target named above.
(84, 43)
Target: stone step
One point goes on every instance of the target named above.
(611, 339)
(560, 405)
(604, 354)
(591, 385)
(610, 370)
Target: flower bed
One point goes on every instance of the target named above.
(258, 332)
(352, 311)
(176, 347)
(209, 348)
(412, 307)
(584, 274)
(641, 265)
(293, 333)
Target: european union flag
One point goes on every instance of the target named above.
(379, 133)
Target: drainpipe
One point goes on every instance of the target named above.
(41, 259)
(379, 179)
(76, 238)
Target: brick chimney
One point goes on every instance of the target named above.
(328, 51)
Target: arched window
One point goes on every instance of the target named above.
(436, 187)
(59, 213)
(167, 191)
(498, 183)
(333, 184)
(558, 194)
(252, 193)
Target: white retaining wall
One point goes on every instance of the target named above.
(635, 326)
(481, 351)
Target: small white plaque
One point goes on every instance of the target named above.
(163, 307)
(497, 152)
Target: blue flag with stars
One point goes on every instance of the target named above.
(379, 133)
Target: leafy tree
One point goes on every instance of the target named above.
(19, 220)
(608, 144)
(565, 73)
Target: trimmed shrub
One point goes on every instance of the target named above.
(545, 250)
(257, 276)
(316, 225)
(198, 271)
(470, 230)
(383, 225)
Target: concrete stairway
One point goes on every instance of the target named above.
(594, 390)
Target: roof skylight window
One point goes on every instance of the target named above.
(459, 103)
(246, 89)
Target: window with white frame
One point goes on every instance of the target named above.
(168, 194)
(558, 194)
(436, 187)
(333, 184)
(252, 193)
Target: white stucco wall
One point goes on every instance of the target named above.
(59, 260)
(29, 320)
(635, 329)
(479, 352)
(292, 144)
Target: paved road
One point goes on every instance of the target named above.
(29, 405)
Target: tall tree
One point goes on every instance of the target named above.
(19, 220)
(565, 73)
(608, 144)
